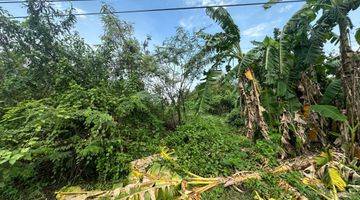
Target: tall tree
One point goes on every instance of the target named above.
(128, 61)
(175, 78)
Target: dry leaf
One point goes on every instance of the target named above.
(249, 75)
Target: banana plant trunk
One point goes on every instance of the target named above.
(252, 107)
(350, 78)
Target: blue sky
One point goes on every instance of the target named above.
(254, 22)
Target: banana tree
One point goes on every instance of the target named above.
(333, 13)
(301, 53)
(225, 47)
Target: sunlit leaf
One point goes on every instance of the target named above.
(335, 179)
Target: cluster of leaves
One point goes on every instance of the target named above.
(207, 146)
(70, 112)
(80, 134)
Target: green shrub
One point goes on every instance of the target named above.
(78, 135)
(219, 104)
(234, 119)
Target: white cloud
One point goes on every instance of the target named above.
(194, 22)
(256, 30)
(207, 2)
(260, 29)
(187, 23)
(80, 11)
(285, 8)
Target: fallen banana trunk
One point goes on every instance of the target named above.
(159, 182)
(191, 188)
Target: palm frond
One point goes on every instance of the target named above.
(271, 62)
(299, 21)
(322, 29)
(318, 37)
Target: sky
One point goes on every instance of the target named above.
(254, 22)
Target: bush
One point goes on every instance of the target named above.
(234, 119)
(79, 135)
(220, 105)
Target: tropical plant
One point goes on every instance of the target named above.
(333, 13)
(225, 46)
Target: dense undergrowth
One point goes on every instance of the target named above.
(78, 135)
(280, 121)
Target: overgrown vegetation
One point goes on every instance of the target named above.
(195, 118)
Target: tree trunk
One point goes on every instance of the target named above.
(350, 79)
(178, 111)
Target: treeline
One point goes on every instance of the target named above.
(70, 111)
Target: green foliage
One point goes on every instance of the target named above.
(223, 18)
(235, 119)
(81, 134)
(357, 36)
(221, 105)
(294, 179)
(71, 113)
(329, 111)
(266, 187)
(226, 193)
(332, 92)
(205, 145)
(204, 89)
(269, 149)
